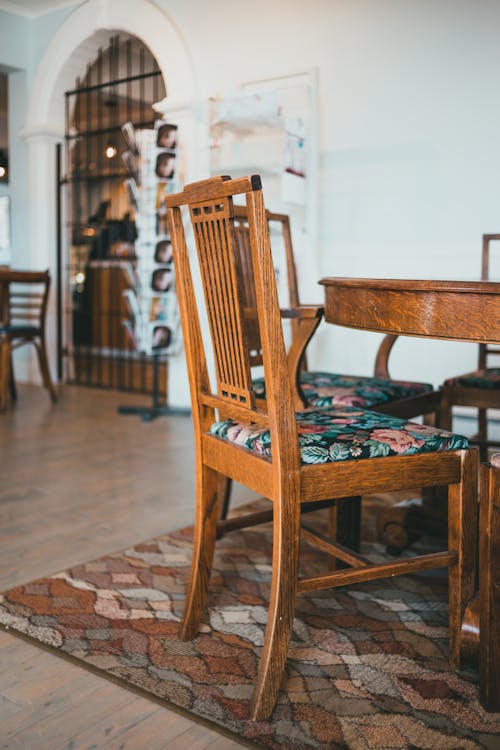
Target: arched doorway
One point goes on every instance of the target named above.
(107, 107)
(74, 45)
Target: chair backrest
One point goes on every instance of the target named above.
(282, 223)
(242, 236)
(241, 306)
(485, 350)
(28, 293)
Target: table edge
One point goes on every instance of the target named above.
(409, 285)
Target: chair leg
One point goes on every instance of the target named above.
(12, 380)
(445, 414)
(286, 531)
(207, 508)
(482, 433)
(225, 488)
(462, 537)
(489, 589)
(5, 357)
(344, 526)
(44, 369)
(430, 419)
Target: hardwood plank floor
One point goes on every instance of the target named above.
(78, 481)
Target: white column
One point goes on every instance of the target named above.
(41, 250)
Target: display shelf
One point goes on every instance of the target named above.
(276, 139)
(99, 176)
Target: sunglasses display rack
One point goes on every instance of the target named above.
(150, 159)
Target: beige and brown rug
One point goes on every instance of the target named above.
(367, 666)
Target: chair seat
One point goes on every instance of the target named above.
(488, 378)
(345, 433)
(325, 389)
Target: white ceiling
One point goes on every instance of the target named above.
(32, 8)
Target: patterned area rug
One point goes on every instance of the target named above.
(367, 667)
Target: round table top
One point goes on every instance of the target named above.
(453, 309)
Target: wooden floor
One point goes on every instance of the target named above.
(78, 481)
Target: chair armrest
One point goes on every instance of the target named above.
(306, 319)
(290, 313)
(303, 312)
(381, 369)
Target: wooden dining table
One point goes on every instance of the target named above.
(459, 311)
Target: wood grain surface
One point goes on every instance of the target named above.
(455, 310)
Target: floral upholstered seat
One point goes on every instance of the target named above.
(325, 389)
(488, 378)
(344, 433)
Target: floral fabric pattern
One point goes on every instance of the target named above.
(489, 378)
(345, 433)
(325, 389)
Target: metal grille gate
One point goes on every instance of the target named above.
(98, 229)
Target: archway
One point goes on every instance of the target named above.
(74, 44)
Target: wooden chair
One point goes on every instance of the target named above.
(324, 389)
(25, 300)
(481, 388)
(298, 461)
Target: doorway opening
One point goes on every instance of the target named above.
(97, 221)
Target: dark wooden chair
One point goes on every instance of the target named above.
(299, 461)
(24, 303)
(480, 388)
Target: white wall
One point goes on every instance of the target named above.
(408, 129)
(13, 53)
(409, 122)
